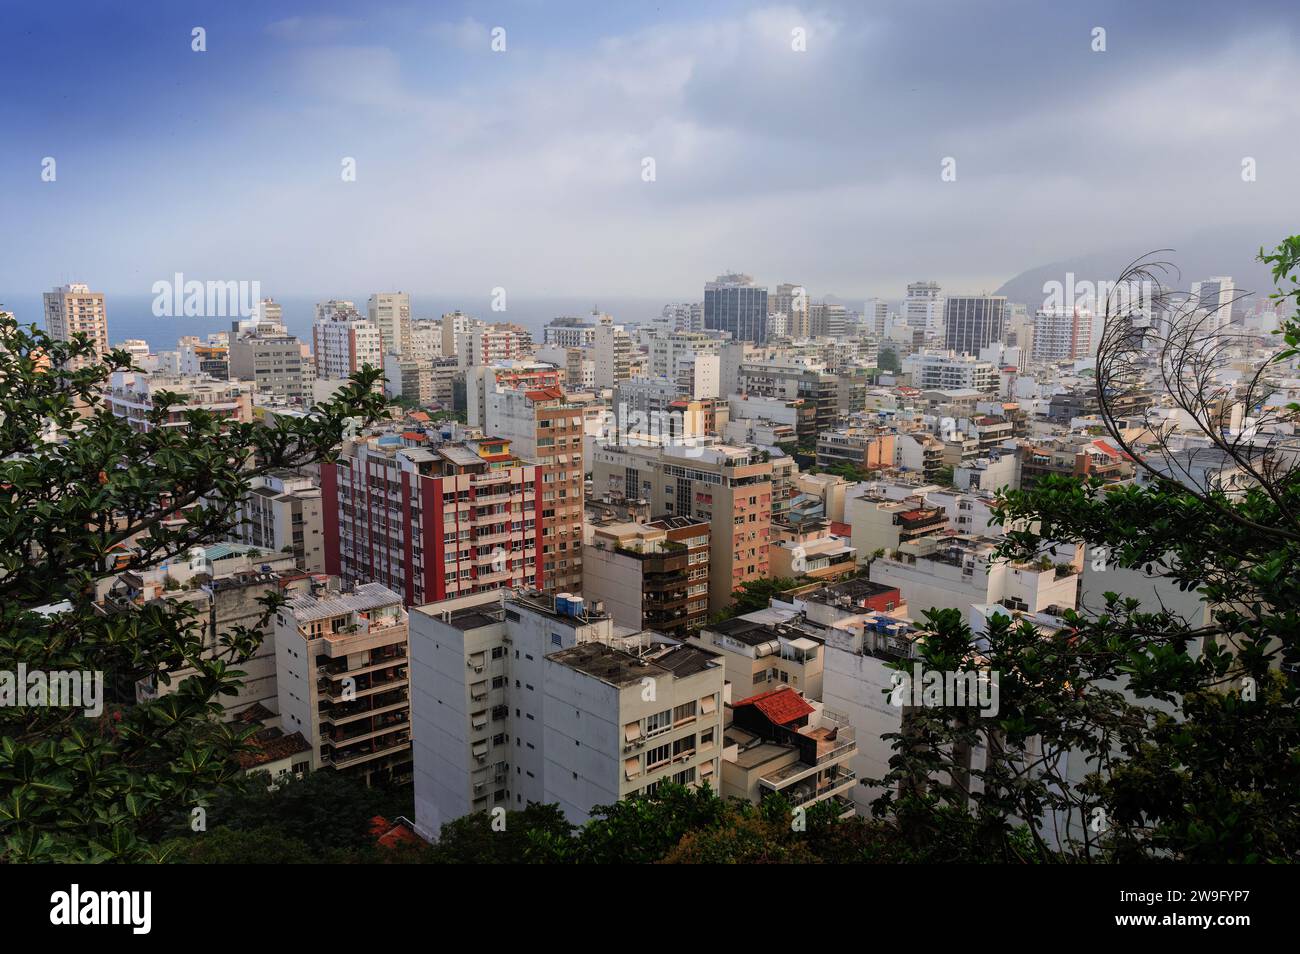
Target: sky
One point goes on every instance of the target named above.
(524, 168)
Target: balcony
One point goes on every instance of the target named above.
(808, 789)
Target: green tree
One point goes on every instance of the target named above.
(88, 496)
(754, 595)
(1186, 725)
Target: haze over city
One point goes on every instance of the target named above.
(522, 168)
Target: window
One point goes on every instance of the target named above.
(659, 755)
(659, 722)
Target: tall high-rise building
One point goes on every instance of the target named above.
(544, 427)
(75, 309)
(734, 304)
(1062, 334)
(345, 344)
(972, 322)
(612, 354)
(432, 521)
(390, 312)
(923, 308)
(875, 315)
(456, 327)
(826, 320)
(791, 301)
(1215, 295)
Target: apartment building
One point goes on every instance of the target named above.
(74, 309)
(807, 548)
(570, 332)
(504, 375)
(866, 448)
(650, 576)
(949, 371)
(132, 396)
(390, 312)
(620, 724)
(505, 341)
(344, 345)
(283, 513)
(830, 394)
(778, 743)
(343, 680)
(435, 521)
(730, 487)
(612, 355)
(1062, 334)
(411, 379)
(507, 713)
(918, 452)
(880, 523)
(689, 359)
(958, 571)
(223, 584)
(273, 361)
(204, 358)
(548, 429)
(760, 653)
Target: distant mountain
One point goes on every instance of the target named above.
(1225, 251)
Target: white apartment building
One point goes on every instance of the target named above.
(426, 340)
(691, 359)
(955, 572)
(130, 395)
(496, 720)
(948, 371)
(336, 309)
(620, 724)
(923, 307)
(342, 679)
(612, 353)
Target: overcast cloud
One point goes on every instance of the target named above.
(523, 169)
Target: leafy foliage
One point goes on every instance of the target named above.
(88, 496)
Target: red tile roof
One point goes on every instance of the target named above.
(545, 394)
(781, 706)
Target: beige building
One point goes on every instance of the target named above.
(547, 428)
(341, 671)
(75, 309)
(760, 654)
(390, 312)
(730, 487)
(282, 514)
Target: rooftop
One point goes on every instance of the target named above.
(328, 603)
